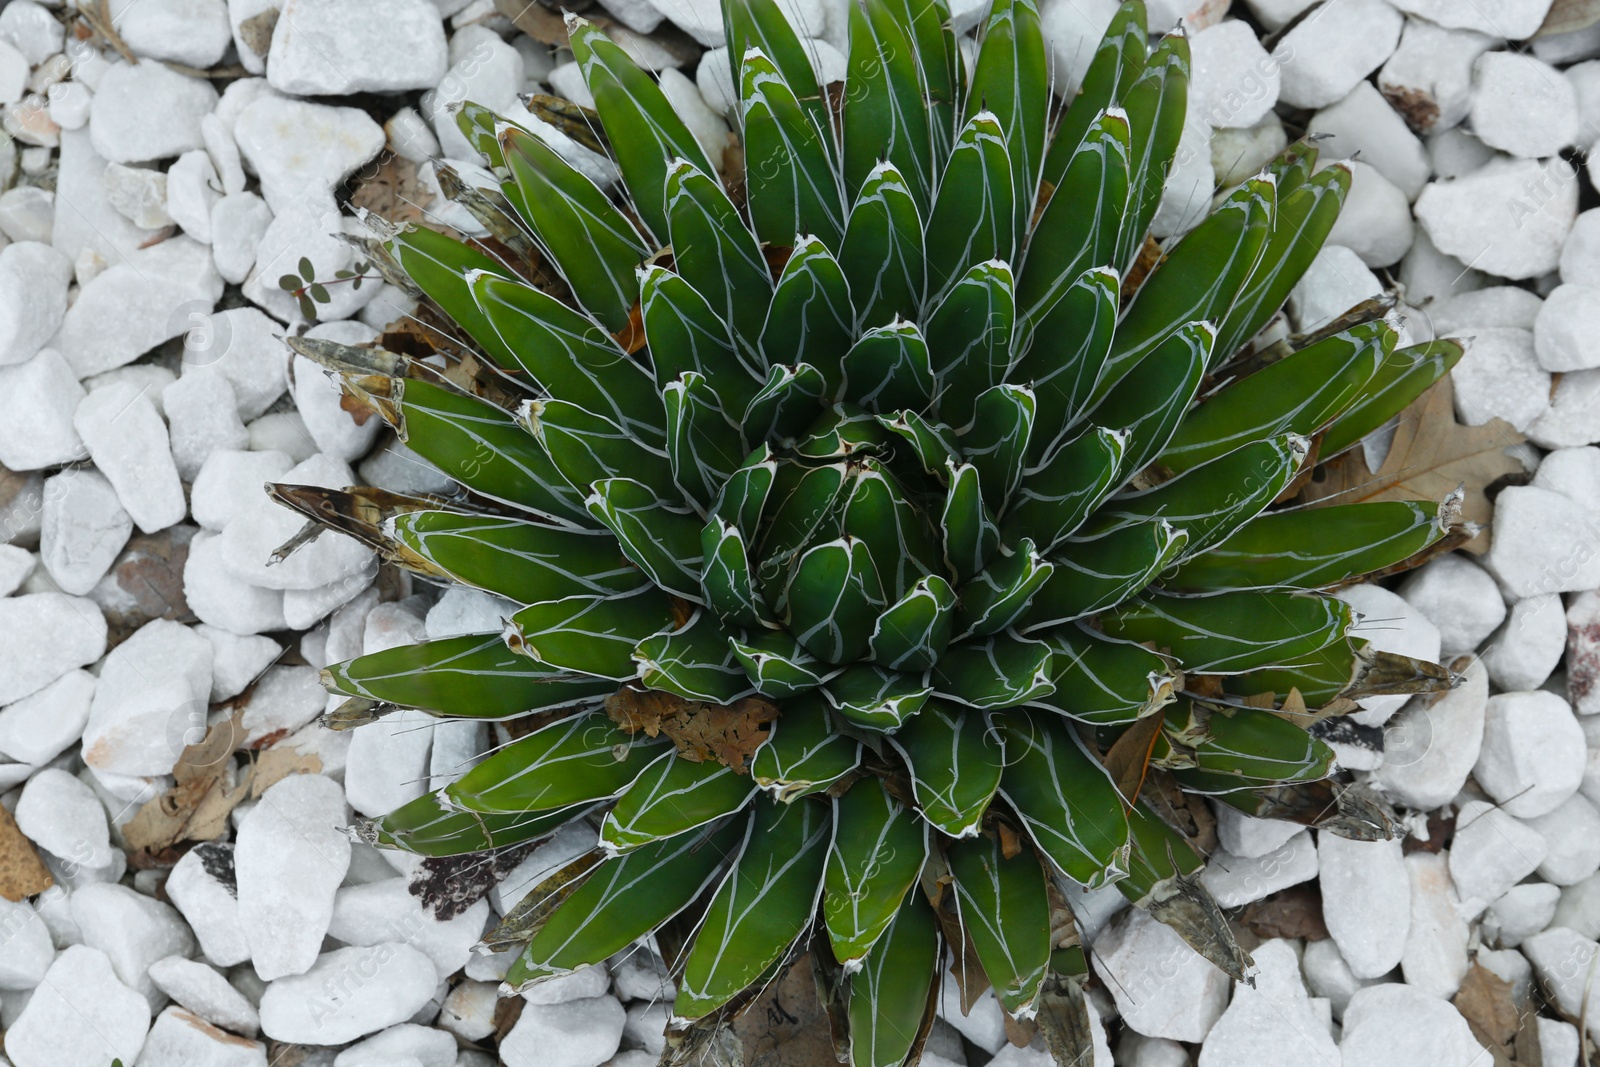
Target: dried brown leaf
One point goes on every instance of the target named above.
(22, 872)
(1431, 455)
(728, 734)
(1292, 912)
(1486, 1001)
(1128, 759)
(393, 191)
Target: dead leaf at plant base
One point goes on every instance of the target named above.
(728, 734)
(1431, 455)
(22, 872)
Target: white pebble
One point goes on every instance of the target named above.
(1529, 645)
(1522, 106)
(129, 443)
(1458, 597)
(193, 189)
(220, 598)
(1235, 881)
(1142, 955)
(1375, 222)
(1524, 910)
(133, 931)
(203, 991)
(26, 951)
(1323, 57)
(1430, 747)
(151, 701)
(299, 148)
(33, 298)
(579, 1033)
(1574, 415)
(202, 417)
(1543, 543)
(1491, 852)
(318, 395)
(1572, 830)
(248, 542)
(38, 728)
(202, 887)
(406, 1043)
(179, 1036)
(1564, 334)
(351, 992)
(1335, 282)
(82, 530)
(238, 222)
(1394, 1025)
(1532, 756)
(1365, 901)
(1563, 958)
(236, 661)
(124, 128)
(381, 911)
(229, 480)
(192, 32)
(1435, 957)
(468, 1011)
(42, 637)
(1509, 218)
(37, 400)
(1363, 121)
(80, 985)
(1272, 1020)
(289, 860)
(1391, 625)
(139, 194)
(324, 47)
(1429, 77)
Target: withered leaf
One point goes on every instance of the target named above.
(22, 872)
(788, 1025)
(449, 885)
(1292, 912)
(728, 734)
(1128, 759)
(394, 191)
(1431, 455)
(1486, 1001)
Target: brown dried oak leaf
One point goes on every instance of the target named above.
(1431, 455)
(726, 733)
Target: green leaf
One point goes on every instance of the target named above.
(625, 899)
(792, 186)
(897, 534)
(685, 334)
(577, 760)
(882, 253)
(744, 495)
(1082, 221)
(786, 405)
(1316, 548)
(1093, 575)
(970, 534)
(289, 282)
(658, 538)
(485, 449)
(876, 854)
(1298, 394)
(777, 666)
(1149, 405)
(1011, 79)
(804, 753)
(763, 904)
(1101, 681)
(764, 26)
(694, 662)
(1402, 377)
(832, 600)
(718, 256)
(1197, 281)
(912, 633)
(933, 443)
(803, 499)
(973, 215)
(319, 293)
(703, 443)
(1055, 499)
(641, 124)
(996, 442)
(307, 269)
(843, 431)
(440, 267)
(811, 319)
(1232, 632)
(727, 582)
(673, 796)
(472, 676)
(1156, 103)
(569, 355)
(591, 241)
(1304, 216)
(1246, 748)
(895, 990)
(587, 448)
(876, 698)
(1004, 908)
(997, 672)
(955, 761)
(522, 561)
(1066, 356)
(1211, 501)
(969, 339)
(426, 826)
(590, 635)
(885, 108)
(1064, 797)
(1118, 60)
(999, 595)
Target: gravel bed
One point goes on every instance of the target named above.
(159, 675)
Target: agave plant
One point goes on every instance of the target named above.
(898, 534)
